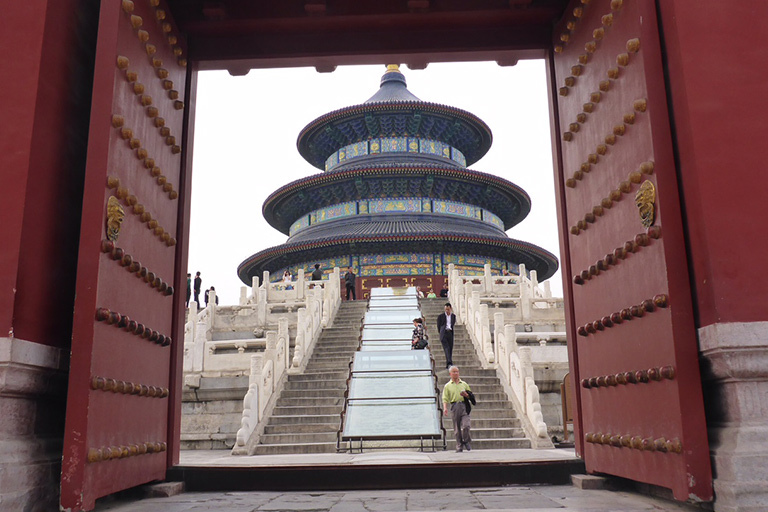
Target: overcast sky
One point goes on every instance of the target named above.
(245, 148)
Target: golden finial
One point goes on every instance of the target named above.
(393, 68)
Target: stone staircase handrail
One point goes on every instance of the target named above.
(267, 373)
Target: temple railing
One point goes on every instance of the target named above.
(253, 339)
(497, 344)
(266, 377)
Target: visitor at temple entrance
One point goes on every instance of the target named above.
(431, 294)
(287, 280)
(456, 397)
(317, 274)
(189, 289)
(207, 292)
(349, 279)
(198, 287)
(445, 323)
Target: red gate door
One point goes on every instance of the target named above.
(123, 351)
(633, 345)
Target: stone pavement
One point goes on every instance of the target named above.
(219, 458)
(513, 498)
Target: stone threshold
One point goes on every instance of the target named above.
(218, 471)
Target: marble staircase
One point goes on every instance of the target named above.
(495, 424)
(307, 413)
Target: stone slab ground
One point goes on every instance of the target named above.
(513, 498)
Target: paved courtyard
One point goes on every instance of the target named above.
(514, 498)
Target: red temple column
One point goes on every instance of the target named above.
(716, 76)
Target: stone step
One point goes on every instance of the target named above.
(344, 340)
(493, 433)
(491, 404)
(341, 343)
(298, 438)
(334, 366)
(304, 419)
(276, 449)
(309, 384)
(305, 402)
(318, 376)
(319, 392)
(489, 414)
(495, 444)
(332, 358)
(314, 410)
(486, 423)
(330, 366)
(296, 428)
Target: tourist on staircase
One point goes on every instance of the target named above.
(445, 323)
(349, 280)
(419, 341)
(456, 397)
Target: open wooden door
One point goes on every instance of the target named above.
(122, 409)
(633, 346)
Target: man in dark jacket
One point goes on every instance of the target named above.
(445, 324)
(317, 274)
(349, 280)
(198, 287)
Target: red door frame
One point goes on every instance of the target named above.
(181, 255)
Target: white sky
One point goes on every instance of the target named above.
(245, 148)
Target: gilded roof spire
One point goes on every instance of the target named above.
(393, 68)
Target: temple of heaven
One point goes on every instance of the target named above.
(396, 201)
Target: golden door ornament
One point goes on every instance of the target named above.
(645, 199)
(115, 216)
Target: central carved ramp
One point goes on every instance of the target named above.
(392, 400)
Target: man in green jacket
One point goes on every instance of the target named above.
(454, 393)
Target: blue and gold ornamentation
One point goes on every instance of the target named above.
(420, 269)
(394, 145)
(458, 157)
(490, 218)
(300, 224)
(394, 205)
(458, 209)
(336, 211)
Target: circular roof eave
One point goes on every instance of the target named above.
(423, 107)
(305, 186)
(539, 259)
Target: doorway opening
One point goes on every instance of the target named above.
(245, 149)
